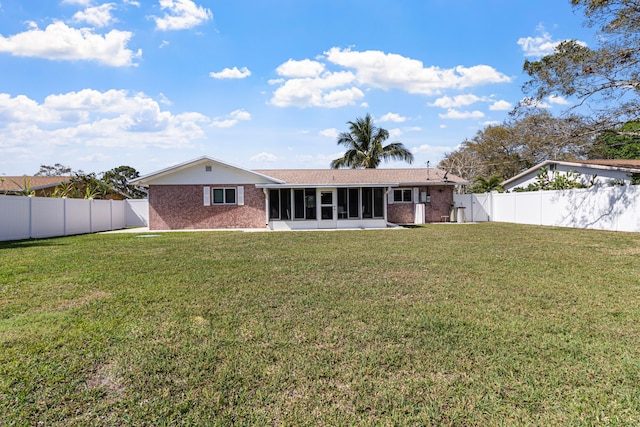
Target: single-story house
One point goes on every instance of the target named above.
(206, 193)
(598, 172)
(41, 186)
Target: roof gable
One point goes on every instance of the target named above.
(203, 170)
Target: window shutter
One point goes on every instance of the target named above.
(206, 193)
(241, 196)
(390, 197)
(416, 195)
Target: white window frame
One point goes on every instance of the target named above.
(403, 192)
(224, 196)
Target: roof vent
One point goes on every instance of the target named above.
(207, 168)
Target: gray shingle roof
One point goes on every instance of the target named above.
(412, 176)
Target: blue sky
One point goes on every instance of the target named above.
(260, 84)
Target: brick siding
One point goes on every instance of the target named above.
(440, 205)
(175, 207)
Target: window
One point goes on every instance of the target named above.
(402, 195)
(280, 204)
(356, 203)
(224, 196)
(304, 203)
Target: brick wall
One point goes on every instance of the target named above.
(440, 205)
(175, 207)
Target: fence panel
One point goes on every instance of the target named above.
(138, 213)
(527, 208)
(41, 217)
(77, 216)
(15, 220)
(100, 215)
(603, 208)
(47, 217)
(118, 214)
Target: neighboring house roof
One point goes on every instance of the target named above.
(12, 184)
(629, 166)
(338, 177)
(617, 163)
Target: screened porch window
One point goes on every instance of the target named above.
(356, 203)
(303, 206)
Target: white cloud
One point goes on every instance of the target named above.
(231, 73)
(304, 68)
(393, 117)
(431, 149)
(77, 2)
(181, 15)
(395, 133)
(264, 158)
(533, 103)
(231, 119)
(459, 115)
(60, 42)
(98, 16)
(540, 45)
(163, 44)
(321, 91)
(500, 106)
(392, 71)
(331, 133)
(114, 118)
(308, 83)
(557, 99)
(456, 101)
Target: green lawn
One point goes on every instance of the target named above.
(489, 324)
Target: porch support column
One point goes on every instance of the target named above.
(266, 206)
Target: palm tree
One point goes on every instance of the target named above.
(365, 146)
(484, 185)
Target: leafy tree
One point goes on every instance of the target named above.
(118, 179)
(621, 143)
(517, 144)
(55, 170)
(365, 148)
(487, 185)
(605, 78)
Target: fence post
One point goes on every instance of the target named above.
(31, 217)
(64, 216)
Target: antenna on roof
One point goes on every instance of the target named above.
(428, 169)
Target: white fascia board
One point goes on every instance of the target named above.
(310, 185)
(430, 184)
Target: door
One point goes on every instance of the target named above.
(327, 217)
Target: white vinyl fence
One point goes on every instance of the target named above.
(41, 217)
(602, 208)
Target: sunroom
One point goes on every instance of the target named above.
(305, 207)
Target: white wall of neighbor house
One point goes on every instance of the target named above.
(603, 208)
(42, 217)
(601, 177)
